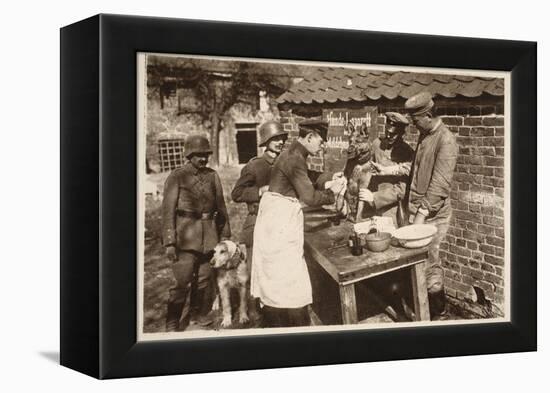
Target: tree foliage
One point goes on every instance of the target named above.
(219, 84)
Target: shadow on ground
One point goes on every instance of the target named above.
(52, 356)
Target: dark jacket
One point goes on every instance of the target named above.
(434, 167)
(389, 189)
(290, 177)
(254, 175)
(190, 193)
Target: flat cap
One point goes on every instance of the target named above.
(315, 124)
(419, 104)
(397, 118)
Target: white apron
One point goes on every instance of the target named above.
(279, 273)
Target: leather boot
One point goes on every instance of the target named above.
(202, 313)
(173, 315)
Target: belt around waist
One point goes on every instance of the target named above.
(195, 215)
(253, 209)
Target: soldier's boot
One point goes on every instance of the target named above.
(173, 315)
(202, 314)
(254, 308)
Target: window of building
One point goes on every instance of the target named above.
(171, 154)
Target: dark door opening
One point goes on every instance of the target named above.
(247, 142)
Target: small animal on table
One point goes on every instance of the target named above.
(358, 171)
(229, 262)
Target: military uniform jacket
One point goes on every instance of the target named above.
(194, 215)
(389, 189)
(434, 167)
(254, 175)
(290, 177)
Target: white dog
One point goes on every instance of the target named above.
(229, 261)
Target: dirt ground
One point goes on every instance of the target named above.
(158, 275)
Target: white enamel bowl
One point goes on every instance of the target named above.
(415, 236)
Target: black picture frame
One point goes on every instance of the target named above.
(98, 196)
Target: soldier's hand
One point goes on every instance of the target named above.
(263, 190)
(419, 218)
(366, 195)
(377, 167)
(171, 253)
(405, 168)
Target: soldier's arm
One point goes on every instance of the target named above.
(319, 178)
(439, 188)
(405, 158)
(301, 182)
(169, 205)
(225, 230)
(245, 189)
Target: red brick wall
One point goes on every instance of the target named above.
(473, 252)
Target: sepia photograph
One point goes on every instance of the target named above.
(279, 196)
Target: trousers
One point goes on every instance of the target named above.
(194, 286)
(434, 270)
(285, 317)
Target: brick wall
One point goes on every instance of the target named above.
(290, 123)
(473, 252)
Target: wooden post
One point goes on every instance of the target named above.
(348, 304)
(420, 292)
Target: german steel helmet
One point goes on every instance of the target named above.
(270, 129)
(196, 144)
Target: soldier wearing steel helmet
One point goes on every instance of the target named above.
(254, 179)
(194, 220)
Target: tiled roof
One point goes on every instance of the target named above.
(329, 84)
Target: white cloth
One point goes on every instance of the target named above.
(279, 271)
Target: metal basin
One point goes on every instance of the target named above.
(415, 236)
(378, 242)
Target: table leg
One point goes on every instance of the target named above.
(348, 304)
(420, 292)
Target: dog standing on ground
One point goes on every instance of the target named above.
(229, 262)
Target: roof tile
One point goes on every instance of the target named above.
(332, 84)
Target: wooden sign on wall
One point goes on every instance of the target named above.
(342, 123)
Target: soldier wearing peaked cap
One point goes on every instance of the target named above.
(391, 158)
(314, 125)
(280, 278)
(430, 187)
(194, 220)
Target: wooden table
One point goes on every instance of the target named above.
(346, 269)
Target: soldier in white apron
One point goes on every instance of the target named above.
(280, 277)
